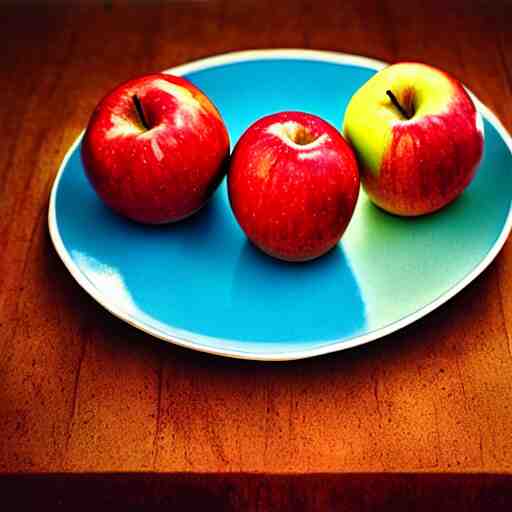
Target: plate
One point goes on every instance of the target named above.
(200, 284)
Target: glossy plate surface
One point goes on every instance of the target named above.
(200, 284)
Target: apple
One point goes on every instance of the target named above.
(417, 135)
(293, 184)
(155, 149)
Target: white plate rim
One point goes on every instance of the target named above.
(195, 341)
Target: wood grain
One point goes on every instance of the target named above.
(80, 391)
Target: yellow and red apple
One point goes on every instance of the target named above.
(155, 149)
(417, 135)
(293, 184)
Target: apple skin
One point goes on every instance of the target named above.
(293, 183)
(418, 165)
(164, 173)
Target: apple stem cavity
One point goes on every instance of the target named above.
(140, 112)
(300, 135)
(399, 107)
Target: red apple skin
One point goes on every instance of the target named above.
(163, 174)
(430, 162)
(293, 201)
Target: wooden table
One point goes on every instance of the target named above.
(416, 414)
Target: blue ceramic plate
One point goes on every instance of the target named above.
(200, 284)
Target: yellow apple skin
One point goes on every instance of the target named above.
(420, 155)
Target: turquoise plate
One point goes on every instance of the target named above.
(200, 284)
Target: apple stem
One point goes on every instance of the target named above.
(140, 111)
(393, 99)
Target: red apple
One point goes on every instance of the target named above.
(417, 135)
(155, 149)
(293, 184)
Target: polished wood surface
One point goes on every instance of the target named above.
(81, 391)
